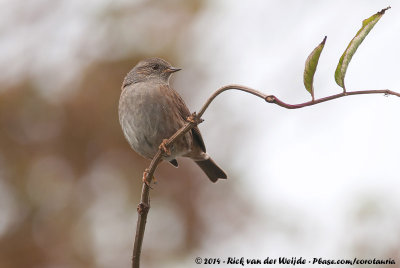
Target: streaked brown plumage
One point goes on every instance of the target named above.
(150, 111)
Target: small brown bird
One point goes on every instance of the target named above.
(151, 111)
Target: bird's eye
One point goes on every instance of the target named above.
(156, 67)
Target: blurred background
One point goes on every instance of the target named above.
(321, 182)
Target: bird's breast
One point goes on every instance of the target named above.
(148, 116)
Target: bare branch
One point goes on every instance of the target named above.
(225, 88)
(273, 99)
(144, 206)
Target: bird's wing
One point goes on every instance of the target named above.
(184, 113)
(197, 136)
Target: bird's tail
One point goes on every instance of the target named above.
(212, 170)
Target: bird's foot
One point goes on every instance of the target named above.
(145, 175)
(194, 119)
(165, 148)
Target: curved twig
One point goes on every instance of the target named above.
(144, 205)
(273, 99)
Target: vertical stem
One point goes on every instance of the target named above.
(142, 209)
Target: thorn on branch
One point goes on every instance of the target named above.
(194, 119)
(143, 208)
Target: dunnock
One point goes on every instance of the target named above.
(151, 111)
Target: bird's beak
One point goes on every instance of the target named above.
(172, 70)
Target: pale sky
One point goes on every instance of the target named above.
(322, 164)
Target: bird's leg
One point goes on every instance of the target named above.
(194, 119)
(165, 148)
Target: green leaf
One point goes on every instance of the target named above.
(311, 67)
(344, 61)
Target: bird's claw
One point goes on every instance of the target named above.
(164, 148)
(194, 119)
(145, 175)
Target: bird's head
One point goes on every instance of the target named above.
(152, 68)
